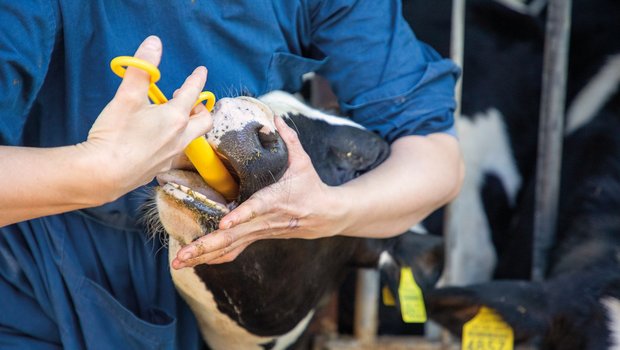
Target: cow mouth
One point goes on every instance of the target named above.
(189, 189)
(187, 206)
(193, 198)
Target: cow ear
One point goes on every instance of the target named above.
(356, 150)
(520, 304)
(420, 252)
(410, 255)
(423, 253)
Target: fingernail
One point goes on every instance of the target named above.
(152, 42)
(177, 264)
(186, 256)
(200, 69)
(228, 224)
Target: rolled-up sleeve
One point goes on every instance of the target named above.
(384, 77)
(27, 37)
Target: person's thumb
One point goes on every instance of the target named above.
(290, 138)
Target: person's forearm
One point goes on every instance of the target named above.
(420, 175)
(42, 181)
(119, 155)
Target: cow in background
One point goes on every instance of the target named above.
(498, 130)
(578, 305)
(500, 109)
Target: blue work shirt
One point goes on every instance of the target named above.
(93, 278)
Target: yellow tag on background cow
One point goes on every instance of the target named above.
(388, 297)
(487, 331)
(410, 296)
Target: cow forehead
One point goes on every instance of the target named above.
(284, 104)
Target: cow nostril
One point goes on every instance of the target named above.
(268, 139)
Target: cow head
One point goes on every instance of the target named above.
(267, 295)
(245, 137)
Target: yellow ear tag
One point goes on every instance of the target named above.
(410, 297)
(388, 297)
(487, 331)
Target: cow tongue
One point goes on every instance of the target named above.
(192, 181)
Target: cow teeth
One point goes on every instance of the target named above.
(184, 192)
(195, 194)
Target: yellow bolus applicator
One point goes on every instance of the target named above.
(199, 152)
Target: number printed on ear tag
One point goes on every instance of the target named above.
(487, 331)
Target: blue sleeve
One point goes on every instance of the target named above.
(27, 37)
(384, 77)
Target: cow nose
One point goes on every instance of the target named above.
(245, 136)
(268, 139)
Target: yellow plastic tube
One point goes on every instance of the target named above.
(199, 152)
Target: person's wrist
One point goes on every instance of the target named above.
(100, 175)
(339, 210)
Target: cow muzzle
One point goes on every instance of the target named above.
(245, 138)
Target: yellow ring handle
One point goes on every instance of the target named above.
(206, 96)
(119, 63)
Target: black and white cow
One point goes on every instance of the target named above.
(504, 42)
(578, 305)
(267, 296)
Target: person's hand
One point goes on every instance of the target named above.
(299, 205)
(134, 140)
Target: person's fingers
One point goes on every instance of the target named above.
(199, 108)
(221, 256)
(228, 244)
(289, 136)
(190, 90)
(255, 206)
(229, 256)
(223, 241)
(198, 126)
(208, 244)
(203, 259)
(136, 81)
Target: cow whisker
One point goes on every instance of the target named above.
(149, 218)
(295, 126)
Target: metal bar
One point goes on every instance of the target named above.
(457, 39)
(457, 53)
(366, 320)
(457, 46)
(550, 132)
